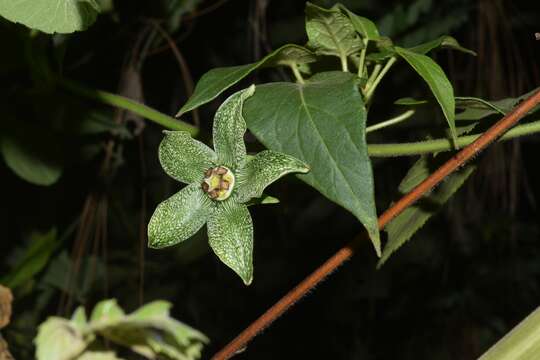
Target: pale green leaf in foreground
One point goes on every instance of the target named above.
(403, 227)
(51, 16)
(217, 80)
(98, 355)
(322, 123)
(437, 81)
(522, 343)
(58, 339)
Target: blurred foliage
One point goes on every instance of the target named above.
(469, 276)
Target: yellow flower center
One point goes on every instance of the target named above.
(218, 183)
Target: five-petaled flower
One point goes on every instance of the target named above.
(220, 184)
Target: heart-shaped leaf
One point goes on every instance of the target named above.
(220, 79)
(437, 81)
(51, 16)
(322, 123)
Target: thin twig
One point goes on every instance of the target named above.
(348, 251)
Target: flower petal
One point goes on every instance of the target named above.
(179, 217)
(262, 170)
(230, 234)
(229, 129)
(184, 158)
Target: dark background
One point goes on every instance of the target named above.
(462, 282)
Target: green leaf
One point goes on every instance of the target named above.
(322, 123)
(179, 217)
(36, 257)
(365, 27)
(98, 355)
(230, 235)
(32, 155)
(51, 16)
(402, 228)
(58, 339)
(262, 170)
(184, 158)
(522, 343)
(263, 200)
(107, 311)
(444, 42)
(229, 130)
(330, 32)
(408, 101)
(437, 81)
(158, 308)
(79, 318)
(217, 80)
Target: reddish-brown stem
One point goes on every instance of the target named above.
(348, 251)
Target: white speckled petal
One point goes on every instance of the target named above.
(229, 130)
(262, 170)
(179, 217)
(184, 158)
(230, 234)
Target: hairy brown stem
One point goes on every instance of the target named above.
(348, 250)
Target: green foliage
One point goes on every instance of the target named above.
(437, 81)
(149, 331)
(321, 122)
(403, 227)
(51, 16)
(522, 343)
(34, 259)
(230, 228)
(330, 32)
(218, 80)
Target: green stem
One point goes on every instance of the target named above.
(344, 65)
(438, 145)
(297, 74)
(128, 104)
(376, 82)
(390, 122)
(362, 59)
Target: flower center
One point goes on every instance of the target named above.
(218, 183)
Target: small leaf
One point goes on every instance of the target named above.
(437, 81)
(402, 228)
(51, 16)
(330, 32)
(521, 343)
(107, 311)
(217, 80)
(408, 101)
(79, 318)
(154, 309)
(230, 235)
(444, 42)
(32, 155)
(36, 257)
(184, 158)
(365, 27)
(179, 217)
(98, 355)
(263, 200)
(229, 129)
(262, 170)
(58, 339)
(322, 123)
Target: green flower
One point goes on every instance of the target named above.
(220, 185)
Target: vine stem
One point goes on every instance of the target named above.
(395, 120)
(379, 77)
(348, 250)
(128, 104)
(296, 73)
